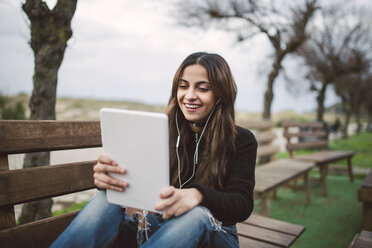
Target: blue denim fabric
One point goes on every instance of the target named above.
(99, 222)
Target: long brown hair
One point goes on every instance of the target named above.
(220, 133)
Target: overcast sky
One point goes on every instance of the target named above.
(130, 50)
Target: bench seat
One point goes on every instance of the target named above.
(260, 231)
(326, 156)
(271, 176)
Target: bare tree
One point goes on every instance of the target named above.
(50, 31)
(283, 23)
(329, 52)
(352, 88)
(367, 102)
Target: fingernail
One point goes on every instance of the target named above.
(122, 170)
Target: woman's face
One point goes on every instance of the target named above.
(194, 94)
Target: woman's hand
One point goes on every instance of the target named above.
(178, 201)
(104, 181)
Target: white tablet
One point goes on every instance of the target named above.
(138, 141)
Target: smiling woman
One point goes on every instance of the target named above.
(212, 164)
(195, 96)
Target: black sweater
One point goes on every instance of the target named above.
(235, 202)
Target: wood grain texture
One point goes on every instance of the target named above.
(275, 225)
(7, 216)
(37, 234)
(24, 185)
(265, 235)
(38, 136)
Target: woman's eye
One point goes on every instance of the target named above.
(182, 86)
(203, 89)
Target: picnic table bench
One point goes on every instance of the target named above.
(362, 240)
(30, 184)
(266, 150)
(270, 173)
(365, 196)
(302, 135)
(278, 173)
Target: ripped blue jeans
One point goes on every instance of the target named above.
(100, 222)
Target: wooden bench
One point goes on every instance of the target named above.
(271, 176)
(270, 173)
(303, 135)
(362, 240)
(365, 196)
(262, 130)
(25, 185)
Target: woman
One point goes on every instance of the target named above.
(212, 172)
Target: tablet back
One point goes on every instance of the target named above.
(138, 141)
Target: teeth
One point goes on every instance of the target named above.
(193, 106)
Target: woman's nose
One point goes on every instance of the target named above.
(190, 95)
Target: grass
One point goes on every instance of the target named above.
(74, 207)
(330, 221)
(361, 144)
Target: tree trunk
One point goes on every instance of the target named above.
(358, 120)
(269, 94)
(347, 110)
(320, 99)
(50, 31)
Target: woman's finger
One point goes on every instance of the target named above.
(108, 168)
(103, 185)
(104, 159)
(174, 197)
(110, 180)
(167, 192)
(173, 210)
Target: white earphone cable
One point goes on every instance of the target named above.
(196, 153)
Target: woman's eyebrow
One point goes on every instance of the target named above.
(202, 82)
(197, 83)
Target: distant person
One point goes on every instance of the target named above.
(212, 172)
(336, 126)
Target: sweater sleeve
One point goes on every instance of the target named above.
(235, 202)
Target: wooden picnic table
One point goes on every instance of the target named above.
(302, 135)
(271, 176)
(362, 240)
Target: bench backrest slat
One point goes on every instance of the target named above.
(265, 136)
(319, 134)
(308, 144)
(35, 234)
(24, 185)
(301, 135)
(286, 124)
(256, 125)
(38, 136)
